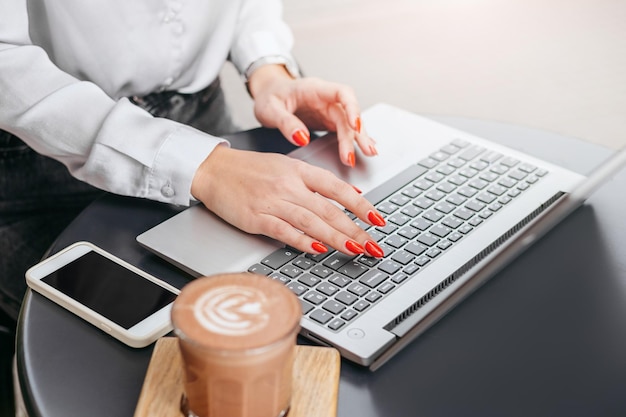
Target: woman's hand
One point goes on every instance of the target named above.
(286, 199)
(295, 105)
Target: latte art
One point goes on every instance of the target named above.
(232, 310)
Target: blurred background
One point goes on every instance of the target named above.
(556, 65)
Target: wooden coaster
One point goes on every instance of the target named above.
(315, 386)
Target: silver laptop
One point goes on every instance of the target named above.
(458, 208)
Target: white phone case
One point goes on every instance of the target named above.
(139, 335)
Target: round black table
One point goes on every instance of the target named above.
(545, 337)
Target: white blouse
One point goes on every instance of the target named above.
(66, 67)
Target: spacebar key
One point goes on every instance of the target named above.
(396, 182)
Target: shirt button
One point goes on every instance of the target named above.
(167, 191)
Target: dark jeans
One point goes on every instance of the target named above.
(39, 198)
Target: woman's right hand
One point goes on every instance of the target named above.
(285, 199)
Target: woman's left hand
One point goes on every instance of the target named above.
(296, 105)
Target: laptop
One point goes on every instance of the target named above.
(458, 209)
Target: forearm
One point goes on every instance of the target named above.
(110, 144)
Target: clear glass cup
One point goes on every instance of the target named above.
(237, 336)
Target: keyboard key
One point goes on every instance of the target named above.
(403, 257)
(456, 199)
(327, 288)
(309, 280)
(428, 163)
(297, 288)
(373, 296)
(454, 236)
(387, 208)
(389, 266)
(427, 239)
(399, 199)
(423, 202)
(396, 241)
(361, 305)
(433, 216)
(434, 176)
(333, 306)
(452, 222)
(416, 248)
(422, 260)
(306, 307)
(486, 197)
(353, 269)
(408, 232)
(340, 280)
(358, 289)
(463, 213)
(386, 288)
(411, 210)
(471, 152)
(314, 297)
(336, 260)
(423, 184)
(279, 258)
(349, 315)
(336, 324)
(373, 278)
(260, 269)
(303, 262)
(450, 149)
(321, 271)
(291, 271)
(399, 278)
(440, 230)
(421, 224)
(321, 316)
(509, 162)
(475, 206)
(399, 219)
(346, 298)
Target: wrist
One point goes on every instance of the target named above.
(266, 70)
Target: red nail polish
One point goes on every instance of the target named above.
(373, 249)
(357, 124)
(351, 159)
(319, 247)
(357, 189)
(354, 247)
(376, 218)
(300, 138)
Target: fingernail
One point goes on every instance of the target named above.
(354, 247)
(319, 247)
(373, 150)
(373, 249)
(351, 159)
(357, 124)
(300, 138)
(357, 189)
(376, 218)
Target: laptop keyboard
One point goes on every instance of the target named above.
(429, 207)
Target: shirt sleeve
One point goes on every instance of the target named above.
(260, 32)
(113, 145)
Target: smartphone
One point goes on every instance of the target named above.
(118, 298)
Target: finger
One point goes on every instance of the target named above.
(285, 232)
(366, 143)
(328, 185)
(323, 222)
(289, 125)
(344, 95)
(345, 135)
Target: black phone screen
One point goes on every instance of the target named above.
(109, 289)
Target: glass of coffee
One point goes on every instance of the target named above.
(237, 336)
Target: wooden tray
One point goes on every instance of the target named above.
(316, 382)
